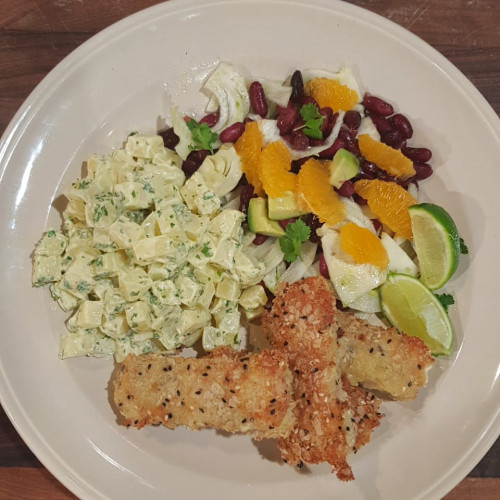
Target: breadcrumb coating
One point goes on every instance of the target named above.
(229, 390)
(333, 419)
(381, 359)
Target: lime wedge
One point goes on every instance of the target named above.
(436, 242)
(413, 309)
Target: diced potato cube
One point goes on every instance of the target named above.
(138, 316)
(228, 289)
(46, 269)
(133, 194)
(89, 314)
(143, 146)
(52, 243)
(125, 232)
(134, 283)
(253, 297)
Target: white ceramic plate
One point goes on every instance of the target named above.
(120, 81)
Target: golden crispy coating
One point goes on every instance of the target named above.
(333, 418)
(229, 390)
(381, 359)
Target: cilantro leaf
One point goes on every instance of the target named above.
(313, 120)
(295, 234)
(446, 300)
(463, 247)
(202, 135)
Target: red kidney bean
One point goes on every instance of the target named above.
(422, 171)
(377, 225)
(360, 201)
(314, 223)
(352, 120)
(307, 99)
(193, 161)
(316, 142)
(232, 133)
(297, 164)
(377, 106)
(402, 125)
(259, 239)
(300, 142)
(297, 84)
(287, 118)
(328, 120)
(283, 223)
(338, 143)
(351, 144)
(418, 155)
(346, 189)
(211, 119)
(323, 268)
(393, 139)
(381, 124)
(258, 99)
(170, 138)
(369, 168)
(246, 195)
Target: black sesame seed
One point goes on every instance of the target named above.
(389, 341)
(169, 415)
(272, 412)
(120, 404)
(303, 395)
(188, 367)
(201, 410)
(292, 326)
(204, 374)
(178, 392)
(419, 367)
(149, 366)
(410, 384)
(244, 421)
(347, 428)
(339, 427)
(223, 400)
(226, 378)
(273, 401)
(245, 366)
(136, 422)
(198, 391)
(232, 391)
(285, 343)
(300, 465)
(371, 350)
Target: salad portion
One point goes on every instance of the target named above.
(188, 234)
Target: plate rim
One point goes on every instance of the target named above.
(28, 110)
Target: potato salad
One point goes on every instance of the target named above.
(149, 261)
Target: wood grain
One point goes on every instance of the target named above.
(35, 35)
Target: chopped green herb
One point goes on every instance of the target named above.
(295, 234)
(463, 247)
(446, 300)
(203, 137)
(313, 120)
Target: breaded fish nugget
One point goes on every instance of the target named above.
(333, 419)
(232, 391)
(382, 359)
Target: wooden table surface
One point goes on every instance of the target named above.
(36, 34)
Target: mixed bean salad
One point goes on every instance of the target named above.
(182, 236)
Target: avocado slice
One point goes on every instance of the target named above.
(285, 207)
(259, 222)
(343, 167)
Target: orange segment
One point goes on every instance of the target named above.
(389, 159)
(248, 147)
(389, 202)
(313, 184)
(330, 93)
(363, 246)
(274, 165)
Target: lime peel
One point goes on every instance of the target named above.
(413, 308)
(436, 242)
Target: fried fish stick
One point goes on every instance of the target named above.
(333, 418)
(229, 390)
(381, 359)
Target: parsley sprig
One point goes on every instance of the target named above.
(203, 137)
(295, 234)
(446, 300)
(313, 120)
